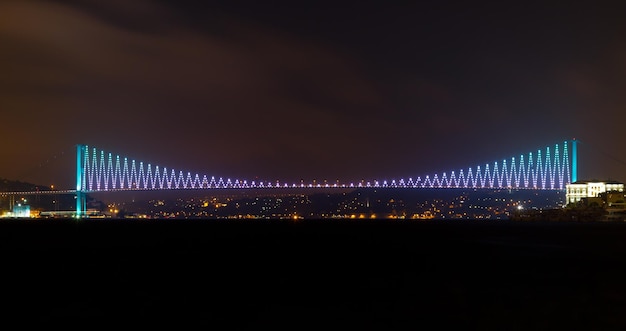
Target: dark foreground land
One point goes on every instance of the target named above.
(313, 275)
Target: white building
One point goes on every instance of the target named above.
(590, 189)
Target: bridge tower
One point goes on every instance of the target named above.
(574, 161)
(80, 196)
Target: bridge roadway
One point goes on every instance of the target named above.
(264, 187)
(38, 192)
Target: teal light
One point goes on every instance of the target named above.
(574, 161)
(79, 180)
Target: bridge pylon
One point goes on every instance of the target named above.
(574, 160)
(80, 176)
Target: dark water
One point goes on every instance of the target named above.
(361, 275)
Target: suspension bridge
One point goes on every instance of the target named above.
(550, 168)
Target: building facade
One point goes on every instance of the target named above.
(590, 189)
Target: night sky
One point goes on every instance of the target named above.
(309, 90)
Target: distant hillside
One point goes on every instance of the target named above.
(39, 201)
(7, 185)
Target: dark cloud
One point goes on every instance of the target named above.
(255, 95)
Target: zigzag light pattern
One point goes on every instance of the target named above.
(551, 171)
